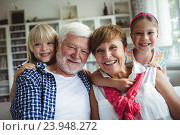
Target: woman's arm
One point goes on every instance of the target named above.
(167, 91)
(94, 106)
(121, 84)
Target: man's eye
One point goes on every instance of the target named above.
(71, 47)
(85, 52)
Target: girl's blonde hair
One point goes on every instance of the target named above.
(40, 33)
(143, 16)
(106, 33)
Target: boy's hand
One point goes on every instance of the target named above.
(24, 67)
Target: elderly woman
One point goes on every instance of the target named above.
(151, 97)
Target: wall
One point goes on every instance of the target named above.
(43, 9)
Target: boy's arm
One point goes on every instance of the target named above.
(17, 73)
(121, 84)
(28, 84)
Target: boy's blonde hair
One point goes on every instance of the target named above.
(40, 33)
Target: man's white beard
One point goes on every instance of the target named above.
(61, 60)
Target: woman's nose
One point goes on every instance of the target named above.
(107, 54)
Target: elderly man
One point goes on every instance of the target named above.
(57, 91)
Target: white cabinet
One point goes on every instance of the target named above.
(18, 44)
(123, 15)
(95, 22)
(68, 12)
(4, 73)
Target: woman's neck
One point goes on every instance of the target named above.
(123, 73)
(143, 58)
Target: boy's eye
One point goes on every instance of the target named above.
(49, 43)
(38, 44)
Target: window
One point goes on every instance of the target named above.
(174, 6)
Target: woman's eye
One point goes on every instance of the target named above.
(113, 47)
(99, 51)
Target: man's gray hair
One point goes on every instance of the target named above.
(75, 29)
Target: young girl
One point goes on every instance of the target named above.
(144, 34)
(41, 48)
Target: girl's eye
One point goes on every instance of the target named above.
(138, 33)
(150, 32)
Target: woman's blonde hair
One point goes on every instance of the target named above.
(106, 33)
(40, 33)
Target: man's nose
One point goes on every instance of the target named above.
(76, 54)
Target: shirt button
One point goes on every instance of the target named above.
(53, 88)
(52, 109)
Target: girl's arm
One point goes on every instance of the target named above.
(121, 84)
(17, 73)
(94, 106)
(165, 88)
(164, 71)
(158, 66)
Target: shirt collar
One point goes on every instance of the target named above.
(40, 66)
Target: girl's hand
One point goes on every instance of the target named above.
(24, 67)
(123, 84)
(154, 65)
